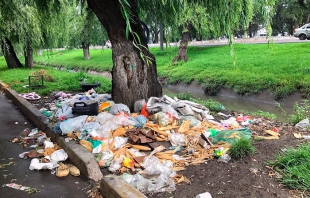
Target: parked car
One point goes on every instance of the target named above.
(303, 32)
(108, 44)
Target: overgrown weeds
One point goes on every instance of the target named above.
(293, 165)
(241, 148)
(301, 112)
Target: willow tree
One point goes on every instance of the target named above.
(213, 19)
(24, 27)
(85, 29)
(134, 74)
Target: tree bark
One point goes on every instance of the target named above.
(28, 53)
(132, 77)
(9, 54)
(183, 45)
(86, 51)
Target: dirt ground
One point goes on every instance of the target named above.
(248, 177)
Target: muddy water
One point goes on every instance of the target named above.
(264, 101)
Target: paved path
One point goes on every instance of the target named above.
(49, 185)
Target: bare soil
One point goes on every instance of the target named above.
(236, 178)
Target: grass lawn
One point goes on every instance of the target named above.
(55, 80)
(280, 68)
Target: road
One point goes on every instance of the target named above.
(17, 169)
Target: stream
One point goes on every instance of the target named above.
(231, 101)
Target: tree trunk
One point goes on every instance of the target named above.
(9, 54)
(132, 77)
(28, 53)
(161, 36)
(155, 34)
(250, 30)
(86, 51)
(86, 35)
(183, 45)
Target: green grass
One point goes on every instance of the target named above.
(293, 166)
(63, 80)
(241, 149)
(280, 68)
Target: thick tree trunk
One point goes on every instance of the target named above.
(86, 51)
(9, 54)
(132, 77)
(28, 53)
(183, 45)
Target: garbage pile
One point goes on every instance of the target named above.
(45, 154)
(160, 138)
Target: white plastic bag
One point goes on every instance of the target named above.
(176, 139)
(59, 156)
(303, 124)
(65, 110)
(36, 165)
(73, 124)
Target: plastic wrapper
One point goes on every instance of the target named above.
(176, 139)
(105, 158)
(117, 164)
(137, 181)
(35, 164)
(194, 121)
(59, 156)
(231, 136)
(65, 110)
(303, 124)
(89, 126)
(118, 108)
(224, 158)
(119, 142)
(138, 105)
(161, 118)
(164, 173)
(141, 121)
(73, 124)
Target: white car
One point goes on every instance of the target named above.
(303, 32)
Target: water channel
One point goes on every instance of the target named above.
(231, 101)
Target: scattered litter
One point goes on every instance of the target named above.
(204, 195)
(21, 187)
(297, 135)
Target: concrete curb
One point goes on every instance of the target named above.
(79, 156)
(110, 186)
(113, 186)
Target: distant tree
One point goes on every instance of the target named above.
(22, 27)
(85, 29)
(290, 14)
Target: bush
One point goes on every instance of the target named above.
(241, 148)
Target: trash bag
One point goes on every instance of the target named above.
(231, 136)
(73, 124)
(138, 105)
(176, 139)
(118, 108)
(303, 124)
(194, 121)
